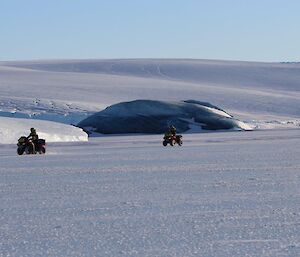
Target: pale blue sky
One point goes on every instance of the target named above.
(263, 30)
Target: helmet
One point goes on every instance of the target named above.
(172, 127)
(32, 129)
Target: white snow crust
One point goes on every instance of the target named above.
(227, 194)
(11, 129)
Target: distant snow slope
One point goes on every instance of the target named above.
(11, 129)
(70, 90)
(149, 116)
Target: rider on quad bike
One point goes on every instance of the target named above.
(33, 139)
(172, 130)
(171, 137)
(31, 144)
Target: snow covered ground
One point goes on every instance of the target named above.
(265, 94)
(12, 129)
(220, 194)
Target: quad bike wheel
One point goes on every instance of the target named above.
(20, 151)
(173, 142)
(165, 143)
(42, 150)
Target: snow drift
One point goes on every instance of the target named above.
(149, 116)
(11, 129)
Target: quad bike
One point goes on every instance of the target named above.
(25, 146)
(172, 140)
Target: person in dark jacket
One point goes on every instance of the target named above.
(172, 130)
(33, 138)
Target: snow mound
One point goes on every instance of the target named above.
(12, 128)
(149, 116)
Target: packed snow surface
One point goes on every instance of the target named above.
(149, 116)
(11, 129)
(221, 194)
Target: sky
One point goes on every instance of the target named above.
(249, 30)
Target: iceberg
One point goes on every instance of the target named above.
(154, 117)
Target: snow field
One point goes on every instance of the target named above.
(266, 94)
(220, 194)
